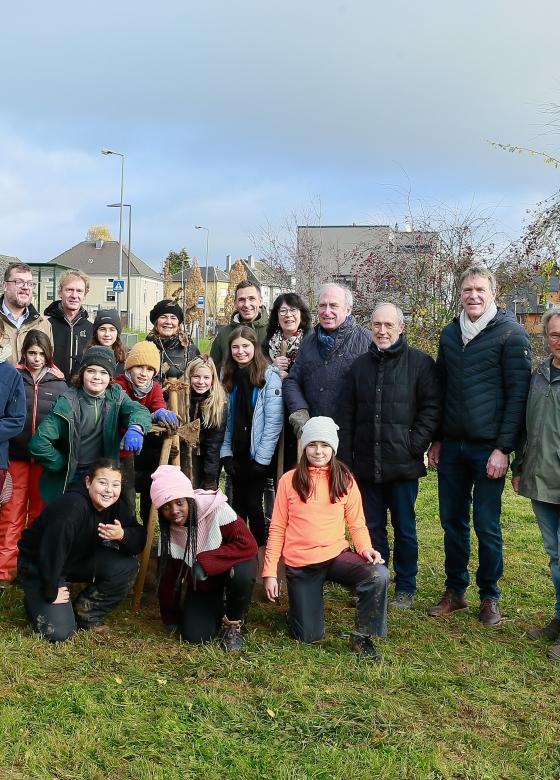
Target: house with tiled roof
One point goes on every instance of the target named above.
(271, 281)
(218, 282)
(100, 261)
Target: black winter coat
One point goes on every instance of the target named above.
(174, 356)
(485, 383)
(39, 398)
(69, 340)
(316, 384)
(62, 541)
(389, 412)
(206, 457)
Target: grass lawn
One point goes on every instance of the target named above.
(450, 700)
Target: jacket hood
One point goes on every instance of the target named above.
(55, 310)
(261, 319)
(33, 313)
(52, 373)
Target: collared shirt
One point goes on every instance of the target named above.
(17, 321)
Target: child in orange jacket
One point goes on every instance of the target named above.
(315, 503)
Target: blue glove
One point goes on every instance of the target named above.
(166, 417)
(133, 439)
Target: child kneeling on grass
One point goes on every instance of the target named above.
(86, 535)
(313, 504)
(207, 551)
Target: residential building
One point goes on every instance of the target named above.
(99, 260)
(217, 291)
(271, 281)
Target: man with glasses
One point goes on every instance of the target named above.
(390, 411)
(18, 313)
(484, 367)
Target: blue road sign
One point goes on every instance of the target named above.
(118, 285)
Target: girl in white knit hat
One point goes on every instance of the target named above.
(316, 502)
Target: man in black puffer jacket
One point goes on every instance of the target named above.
(317, 380)
(390, 411)
(484, 366)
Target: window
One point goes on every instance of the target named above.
(110, 295)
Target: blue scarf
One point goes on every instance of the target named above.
(325, 341)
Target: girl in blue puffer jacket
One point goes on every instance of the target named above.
(254, 422)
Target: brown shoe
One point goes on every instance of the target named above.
(101, 629)
(550, 631)
(489, 614)
(451, 601)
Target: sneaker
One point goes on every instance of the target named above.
(402, 600)
(554, 651)
(363, 647)
(550, 631)
(449, 602)
(231, 637)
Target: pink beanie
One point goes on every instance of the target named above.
(169, 483)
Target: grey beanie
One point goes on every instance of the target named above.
(100, 356)
(320, 429)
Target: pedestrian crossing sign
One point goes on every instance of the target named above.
(118, 285)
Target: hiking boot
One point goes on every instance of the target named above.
(450, 602)
(554, 651)
(363, 647)
(101, 629)
(231, 637)
(550, 631)
(402, 600)
(489, 614)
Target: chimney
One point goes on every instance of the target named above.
(228, 263)
(251, 261)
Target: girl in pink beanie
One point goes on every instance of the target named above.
(207, 563)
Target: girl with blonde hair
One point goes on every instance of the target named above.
(208, 404)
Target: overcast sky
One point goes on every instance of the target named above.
(232, 115)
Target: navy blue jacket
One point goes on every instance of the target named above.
(316, 384)
(12, 408)
(485, 383)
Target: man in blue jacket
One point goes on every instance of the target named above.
(484, 366)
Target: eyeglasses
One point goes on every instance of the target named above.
(19, 283)
(284, 312)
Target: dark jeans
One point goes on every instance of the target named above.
(114, 575)
(248, 491)
(305, 595)
(398, 498)
(462, 480)
(228, 594)
(128, 490)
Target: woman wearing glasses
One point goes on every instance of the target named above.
(17, 313)
(289, 322)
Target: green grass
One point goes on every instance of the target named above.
(450, 700)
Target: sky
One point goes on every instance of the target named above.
(237, 115)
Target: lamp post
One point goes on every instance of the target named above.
(129, 207)
(205, 326)
(119, 154)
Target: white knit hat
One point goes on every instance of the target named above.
(320, 429)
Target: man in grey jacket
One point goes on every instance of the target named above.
(316, 380)
(536, 468)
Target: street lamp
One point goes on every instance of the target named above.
(205, 327)
(119, 154)
(129, 207)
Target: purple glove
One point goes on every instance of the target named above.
(133, 439)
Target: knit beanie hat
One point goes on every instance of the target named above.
(169, 483)
(107, 317)
(167, 306)
(100, 356)
(320, 429)
(143, 353)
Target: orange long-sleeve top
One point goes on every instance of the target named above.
(313, 532)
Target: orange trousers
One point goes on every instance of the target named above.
(19, 512)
